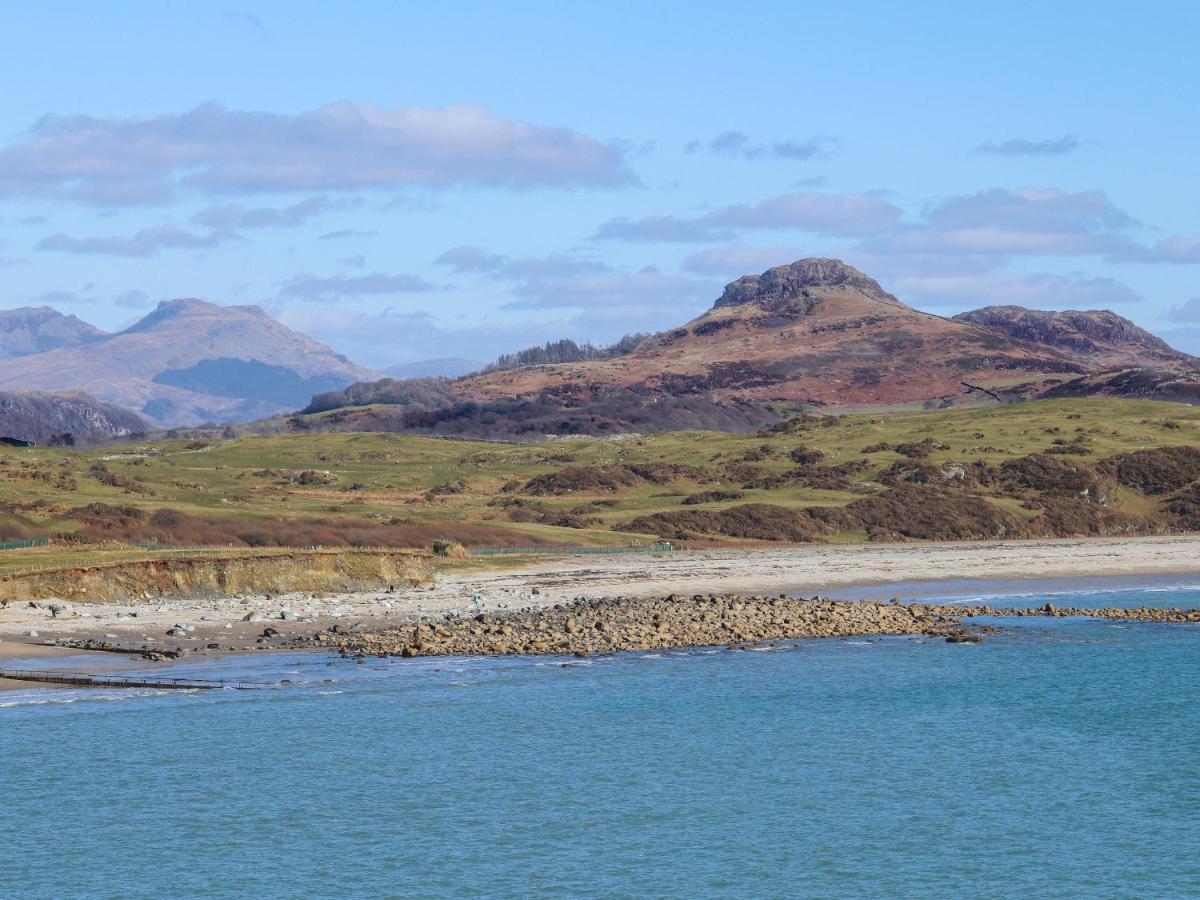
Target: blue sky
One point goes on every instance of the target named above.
(404, 181)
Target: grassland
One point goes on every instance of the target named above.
(356, 488)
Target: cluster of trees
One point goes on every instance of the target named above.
(565, 351)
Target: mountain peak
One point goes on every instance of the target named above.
(783, 282)
(32, 329)
(190, 307)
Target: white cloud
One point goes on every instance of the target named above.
(340, 146)
(477, 260)
(737, 144)
(234, 216)
(820, 213)
(1041, 290)
(1039, 210)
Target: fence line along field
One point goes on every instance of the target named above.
(1047, 468)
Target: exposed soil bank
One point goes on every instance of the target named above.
(315, 571)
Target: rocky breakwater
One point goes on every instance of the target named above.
(1136, 614)
(609, 625)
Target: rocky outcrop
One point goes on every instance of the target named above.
(41, 417)
(1076, 331)
(1178, 385)
(783, 282)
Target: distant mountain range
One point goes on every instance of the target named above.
(441, 367)
(189, 361)
(816, 334)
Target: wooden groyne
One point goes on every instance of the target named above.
(79, 679)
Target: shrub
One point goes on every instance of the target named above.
(803, 456)
(1158, 471)
(919, 449)
(1072, 517)
(1051, 475)
(928, 513)
(757, 521)
(579, 479)
(710, 497)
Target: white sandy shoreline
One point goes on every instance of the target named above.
(807, 569)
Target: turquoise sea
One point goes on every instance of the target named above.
(1060, 759)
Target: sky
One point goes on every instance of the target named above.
(411, 181)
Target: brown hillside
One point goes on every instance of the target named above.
(820, 331)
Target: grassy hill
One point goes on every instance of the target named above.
(1044, 468)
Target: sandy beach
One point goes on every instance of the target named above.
(242, 623)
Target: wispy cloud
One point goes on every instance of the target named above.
(477, 260)
(143, 243)
(738, 145)
(341, 146)
(560, 281)
(1040, 290)
(234, 216)
(817, 212)
(1025, 147)
(344, 234)
(327, 288)
(245, 20)
(840, 215)
(608, 289)
(668, 229)
(1024, 221)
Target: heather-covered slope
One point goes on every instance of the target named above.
(819, 331)
(816, 333)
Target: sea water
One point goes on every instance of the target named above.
(1059, 759)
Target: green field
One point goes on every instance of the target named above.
(375, 481)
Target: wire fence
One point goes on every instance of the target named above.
(663, 547)
(22, 543)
